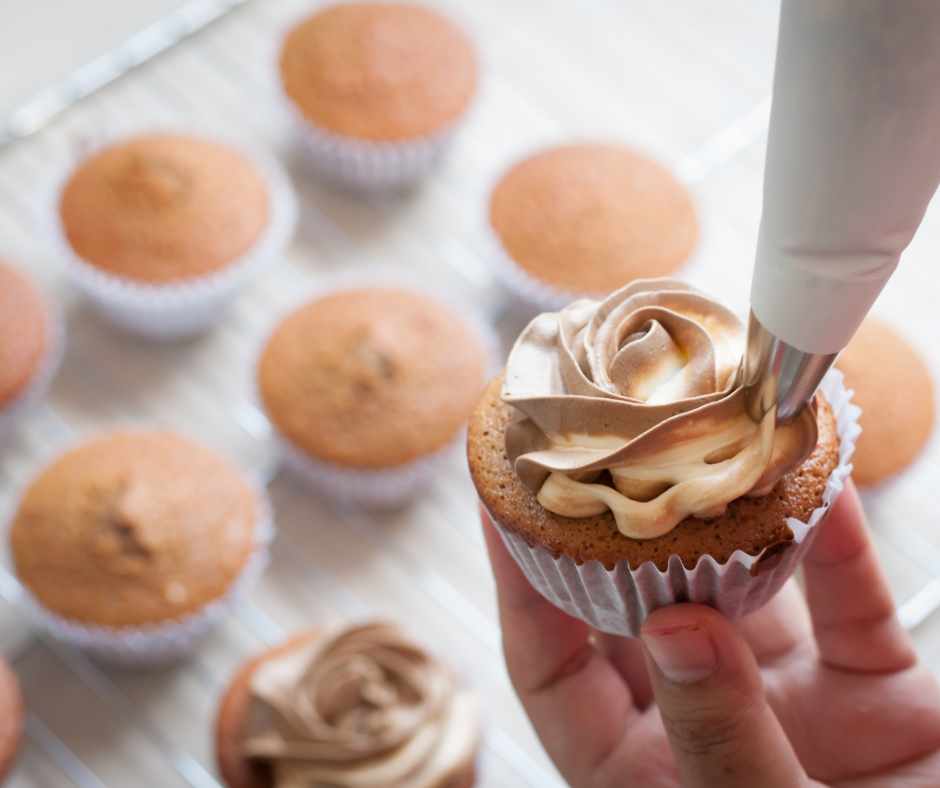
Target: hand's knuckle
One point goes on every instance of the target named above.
(701, 732)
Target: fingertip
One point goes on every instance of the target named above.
(843, 533)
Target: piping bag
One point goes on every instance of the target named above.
(853, 158)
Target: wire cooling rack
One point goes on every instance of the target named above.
(687, 81)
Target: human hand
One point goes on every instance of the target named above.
(824, 689)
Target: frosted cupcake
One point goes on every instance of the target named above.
(162, 230)
(133, 544)
(618, 460)
(584, 220)
(368, 387)
(30, 346)
(356, 708)
(379, 89)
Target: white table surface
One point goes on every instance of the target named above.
(686, 80)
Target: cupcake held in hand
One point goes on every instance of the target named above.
(364, 707)
(367, 387)
(618, 459)
(379, 89)
(132, 545)
(162, 230)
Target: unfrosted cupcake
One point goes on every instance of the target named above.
(162, 230)
(587, 219)
(893, 387)
(362, 707)
(379, 89)
(30, 346)
(619, 462)
(132, 544)
(12, 714)
(367, 387)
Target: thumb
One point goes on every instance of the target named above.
(709, 691)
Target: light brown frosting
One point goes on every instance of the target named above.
(635, 404)
(365, 708)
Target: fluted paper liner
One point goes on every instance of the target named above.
(619, 600)
(175, 309)
(166, 642)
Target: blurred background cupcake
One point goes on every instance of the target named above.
(367, 387)
(161, 230)
(619, 461)
(133, 544)
(359, 706)
(379, 89)
(893, 387)
(586, 219)
(30, 346)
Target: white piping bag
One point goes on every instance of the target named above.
(853, 158)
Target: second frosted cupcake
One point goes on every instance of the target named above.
(366, 387)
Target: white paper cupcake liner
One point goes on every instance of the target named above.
(619, 600)
(161, 643)
(169, 311)
(13, 413)
(386, 487)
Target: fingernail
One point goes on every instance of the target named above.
(684, 654)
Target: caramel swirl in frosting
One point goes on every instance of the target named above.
(634, 404)
(364, 708)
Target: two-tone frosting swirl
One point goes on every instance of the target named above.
(634, 404)
(364, 708)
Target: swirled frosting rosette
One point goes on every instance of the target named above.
(364, 708)
(635, 404)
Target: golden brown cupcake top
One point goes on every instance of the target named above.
(587, 219)
(379, 71)
(894, 389)
(164, 208)
(24, 333)
(134, 528)
(371, 378)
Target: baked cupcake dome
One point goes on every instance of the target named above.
(379, 90)
(373, 654)
(382, 72)
(134, 533)
(12, 713)
(164, 208)
(586, 219)
(896, 393)
(25, 334)
(370, 381)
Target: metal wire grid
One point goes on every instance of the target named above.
(168, 746)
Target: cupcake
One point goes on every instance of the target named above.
(30, 346)
(367, 387)
(12, 713)
(893, 387)
(618, 459)
(132, 544)
(362, 707)
(161, 230)
(584, 220)
(379, 89)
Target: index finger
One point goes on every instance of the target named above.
(853, 613)
(578, 703)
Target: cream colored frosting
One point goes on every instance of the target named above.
(634, 404)
(364, 708)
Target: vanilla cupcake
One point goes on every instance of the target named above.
(133, 544)
(363, 707)
(619, 461)
(379, 89)
(30, 346)
(584, 220)
(161, 230)
(368, 387)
